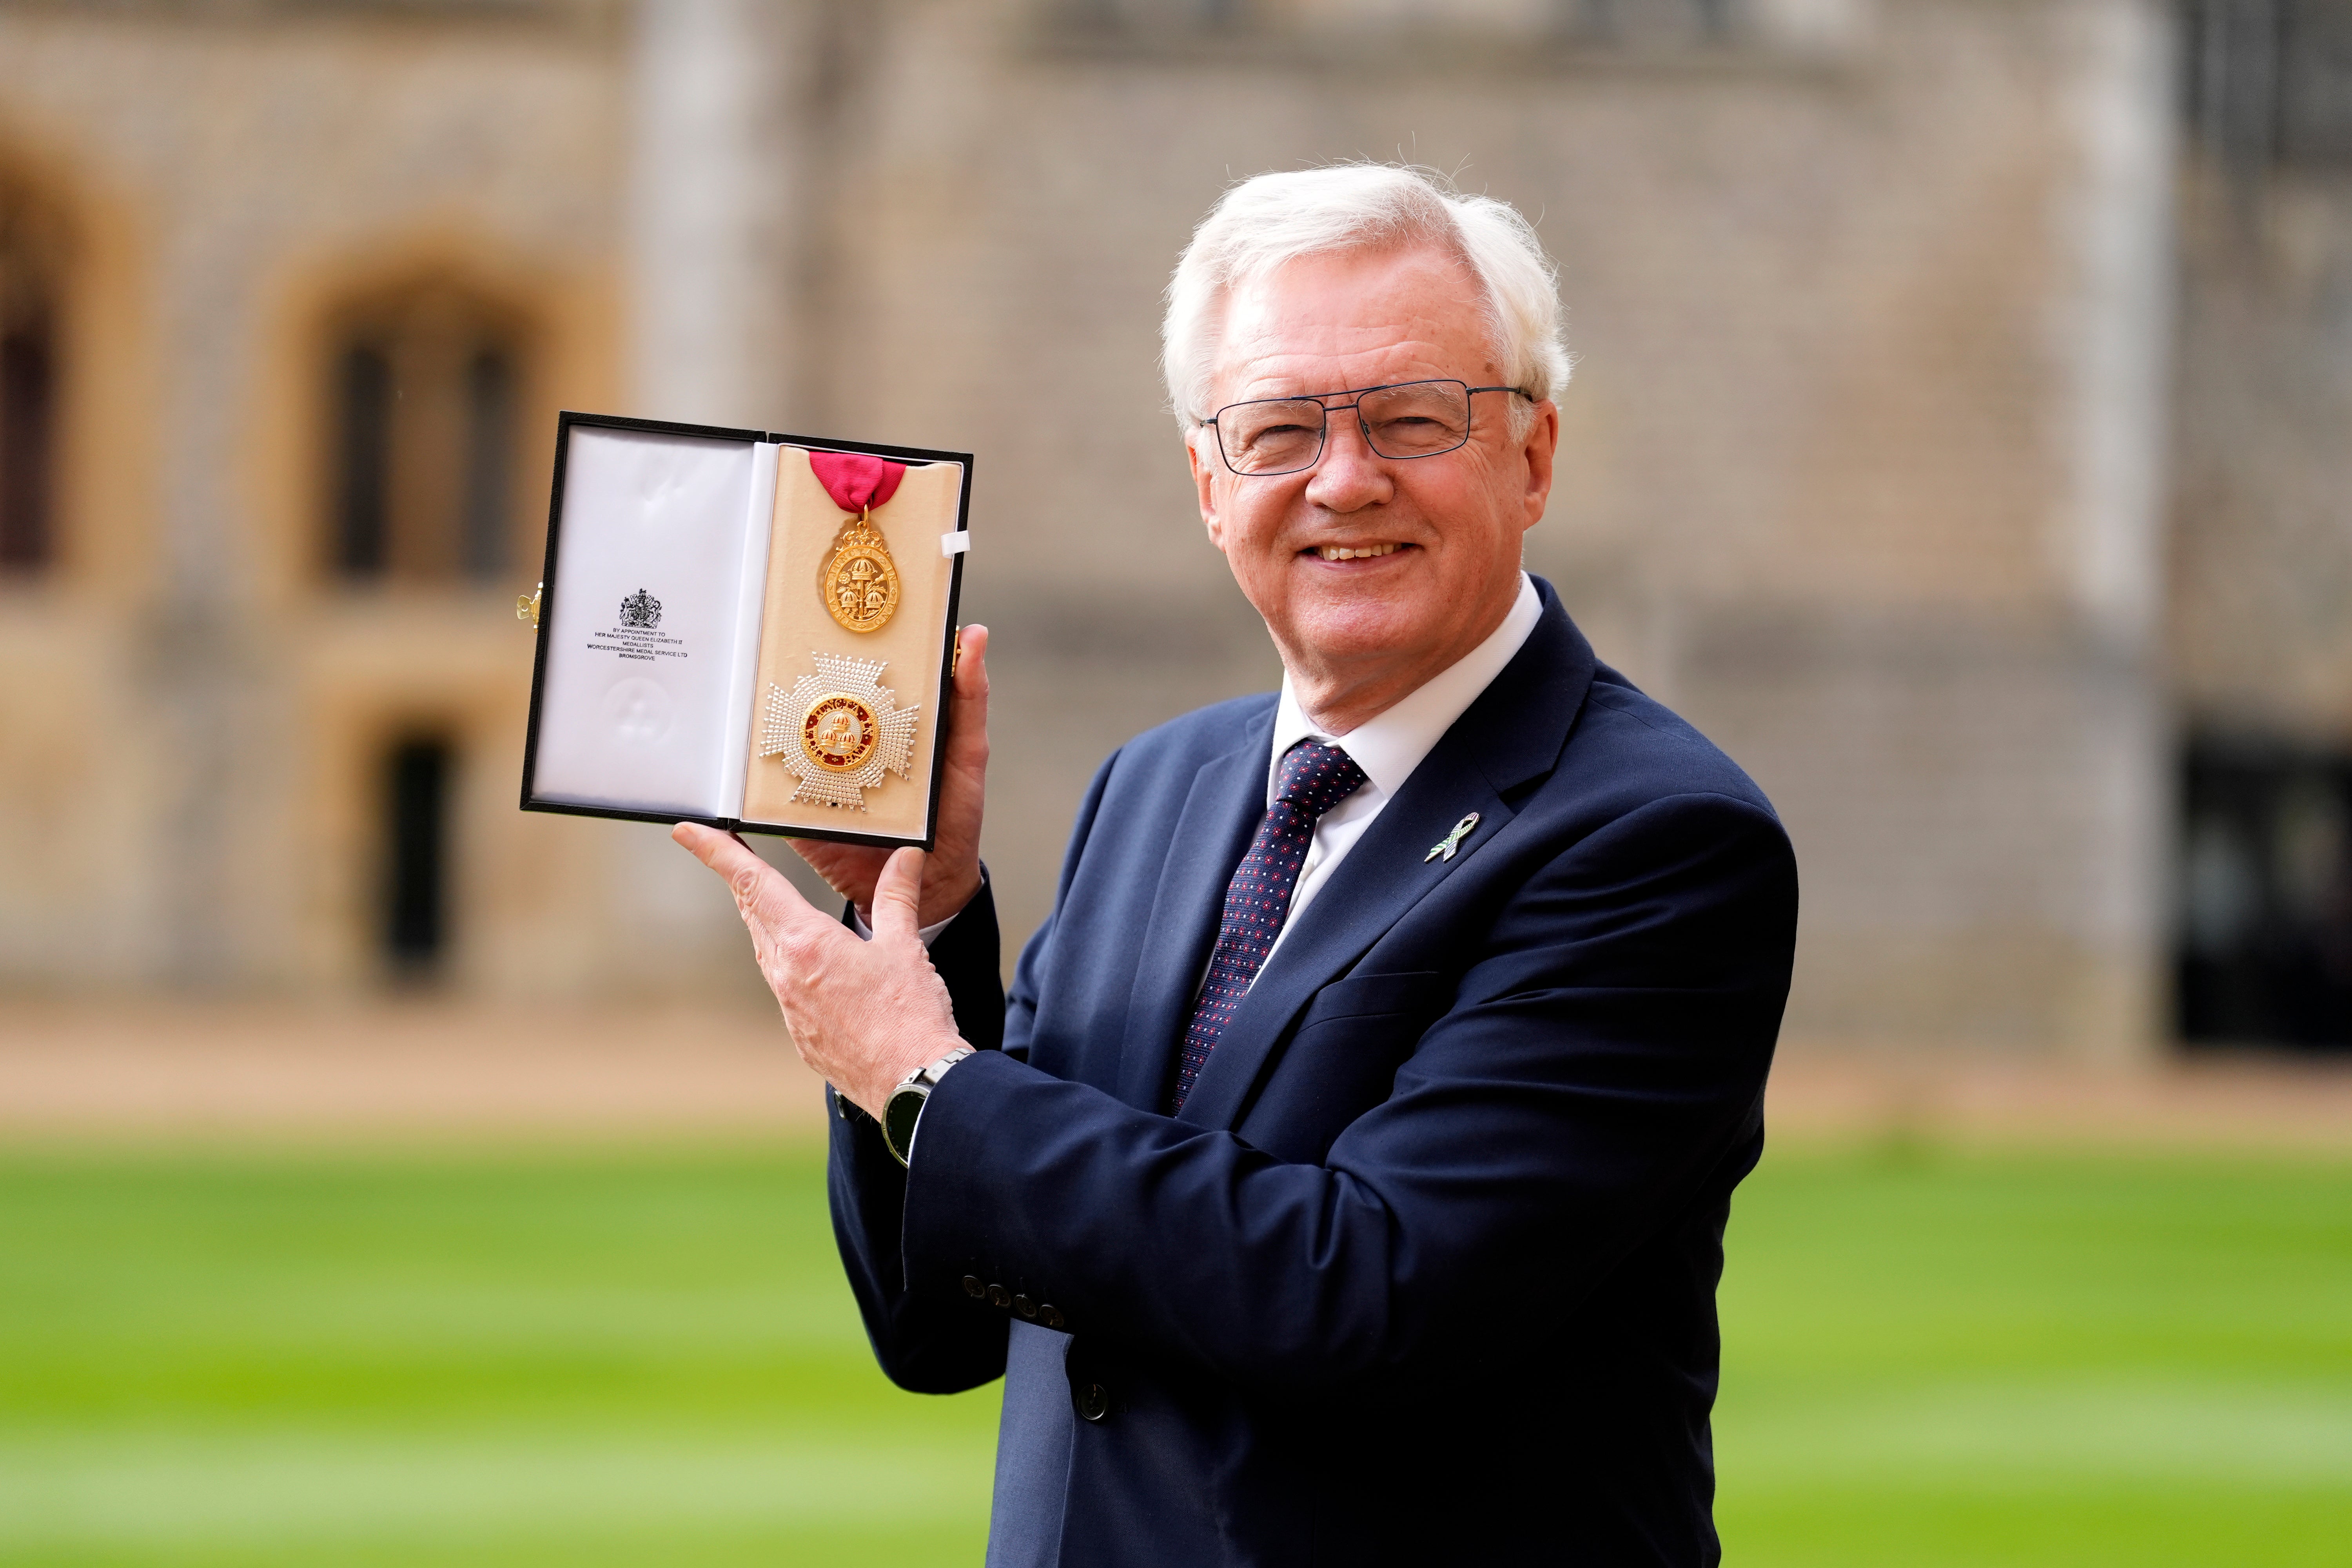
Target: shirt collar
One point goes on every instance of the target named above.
(1392, 743)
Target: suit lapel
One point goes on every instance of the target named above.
(1513, 732)
(1222, 811)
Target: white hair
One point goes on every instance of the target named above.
(1270, 219)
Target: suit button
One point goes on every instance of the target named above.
(973, 1288)
(1024, 1306)
(1050, 1315)
(998, 1296)
(1094, 1402)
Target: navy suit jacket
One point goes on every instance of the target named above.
(1424, 1271)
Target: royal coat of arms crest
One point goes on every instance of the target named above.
(640, 610)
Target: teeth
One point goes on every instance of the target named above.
(1341, 552)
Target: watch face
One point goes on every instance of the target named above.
(898, 1114)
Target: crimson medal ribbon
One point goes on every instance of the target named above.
(856, 483)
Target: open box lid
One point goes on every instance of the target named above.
(683, 625)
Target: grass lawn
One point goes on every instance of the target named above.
(632, 1357)
(1935, 1360)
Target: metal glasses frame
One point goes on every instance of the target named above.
(1323, 436)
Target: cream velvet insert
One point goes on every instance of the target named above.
(796, 624)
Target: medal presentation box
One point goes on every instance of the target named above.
(745, 629)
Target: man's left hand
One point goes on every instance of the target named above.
(863, 1013)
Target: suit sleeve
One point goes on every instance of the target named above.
(1605, 1052)
(940, 1341)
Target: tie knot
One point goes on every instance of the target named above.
(1315, 778)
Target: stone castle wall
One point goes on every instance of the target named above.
(1863, 464)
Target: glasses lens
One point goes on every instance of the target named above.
(1418, 419)
(1271, 437)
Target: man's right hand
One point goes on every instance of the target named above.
(952, 871)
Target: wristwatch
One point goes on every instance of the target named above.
(905, 1106)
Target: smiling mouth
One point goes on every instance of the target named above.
(1352, 553)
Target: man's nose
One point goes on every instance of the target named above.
(1350, 475)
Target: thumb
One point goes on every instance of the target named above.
(896, 894)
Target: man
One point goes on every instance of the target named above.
(1344, 1179)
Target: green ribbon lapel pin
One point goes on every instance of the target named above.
(1443, 849)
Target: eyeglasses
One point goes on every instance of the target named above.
(1271, 436)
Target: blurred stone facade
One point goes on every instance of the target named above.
(2260, 553)
(1865, 466)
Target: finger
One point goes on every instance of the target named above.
(967, 720)
(759, 890)
(971, 671)
(897, 894)
(698, 840)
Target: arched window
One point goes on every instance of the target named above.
(424, 386)
(2269, 81)
(31, 267)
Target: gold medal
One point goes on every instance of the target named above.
(839, 732)
(861, 581)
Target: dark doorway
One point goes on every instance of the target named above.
(416, 842)
(2265, 906)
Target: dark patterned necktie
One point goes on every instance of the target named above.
(1314, 778)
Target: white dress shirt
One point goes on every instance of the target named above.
(1388, 746)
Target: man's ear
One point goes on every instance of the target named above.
(1205, 487)
(1538, 450)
